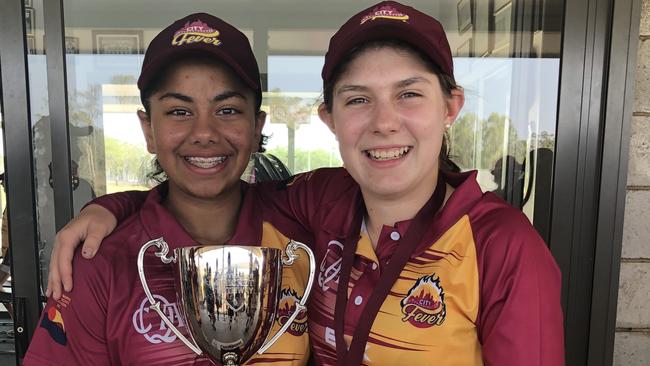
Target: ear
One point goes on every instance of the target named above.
(147, 131)
(326, 117)
(454, 104)
(260, 120)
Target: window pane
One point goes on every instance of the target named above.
(42, 143)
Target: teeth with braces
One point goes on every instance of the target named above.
(205, 163)
(387, 154)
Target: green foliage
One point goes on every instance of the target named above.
(478, 144)
(126, 163)
(308, 159)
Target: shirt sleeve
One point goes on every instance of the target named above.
(520, 318)
(72, 330)
(294, 205)
(121, 204)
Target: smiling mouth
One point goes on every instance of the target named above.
(387, 154)
(205, 163)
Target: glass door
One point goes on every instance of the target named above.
(7, 353)
(508, 56)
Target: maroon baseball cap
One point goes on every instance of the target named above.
(390, 20)
(204, 35)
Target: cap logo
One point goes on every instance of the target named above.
(196, 32)
(385, 12)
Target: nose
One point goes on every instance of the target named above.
(205, 130)
(386, 119)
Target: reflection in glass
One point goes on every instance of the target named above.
(501, 132)
(5, 260)
(42, 143)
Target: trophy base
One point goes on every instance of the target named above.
(230, 359)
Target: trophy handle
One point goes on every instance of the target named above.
(155, 305)
(291, 257)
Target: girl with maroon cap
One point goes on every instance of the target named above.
(200, 87)
(417, 265)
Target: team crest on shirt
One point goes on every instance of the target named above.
(385, 12)
(286, 307)
(424, 304)
(53, 322)
(330, 266)
(196, 32)
(151, 326)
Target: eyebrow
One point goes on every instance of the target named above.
(399, 84)
(350, 88)
(175, 95)
(227, 95)
(218, 98)
(410, 81)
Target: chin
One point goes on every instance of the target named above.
(384, 187)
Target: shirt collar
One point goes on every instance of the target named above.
(249, 222)
(466, 194)
(159, 222)
(364, 247)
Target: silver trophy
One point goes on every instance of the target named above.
(229, 296)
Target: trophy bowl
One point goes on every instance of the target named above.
(228, 295)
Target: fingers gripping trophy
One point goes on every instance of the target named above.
(228, 295)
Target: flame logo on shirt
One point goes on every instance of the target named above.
(424, 305)
(196, 32)
(385, 12)
(286, 307)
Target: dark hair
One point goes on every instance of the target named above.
(447, 82)
(157, 173)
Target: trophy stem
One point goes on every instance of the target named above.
(230, 359)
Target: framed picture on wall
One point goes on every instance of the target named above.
(30, 24)
(71, 45)
(117, 42)
(498, 4)
(464, 8)
(31, 45)
(502, 30)
(481, 36)
(465, 49)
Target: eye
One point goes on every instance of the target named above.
(228, 111)
(177, 112)
(357, 100)
(410, 94)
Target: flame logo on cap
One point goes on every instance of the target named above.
(385, 12)
(424, 305)
(196, 32)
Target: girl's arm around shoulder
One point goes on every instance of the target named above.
(72, 329)
(96, 221)
(294, 205)
(121, 204)
(520, 318)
